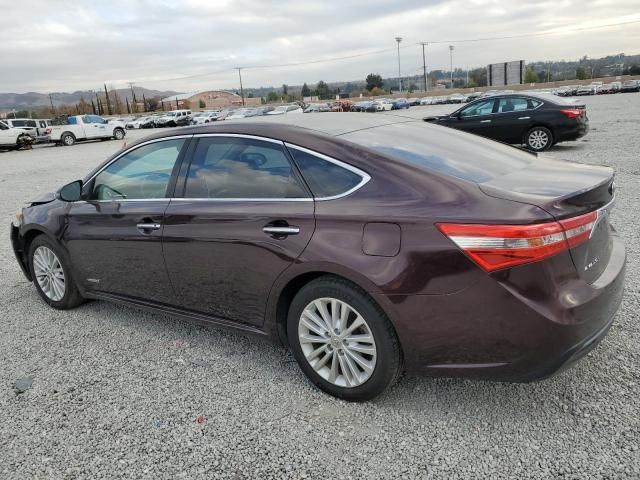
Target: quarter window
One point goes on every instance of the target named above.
(242, 168)
(325, 178)
(140, 174)
(481, 108)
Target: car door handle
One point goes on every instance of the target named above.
(524, 118)
(148, 226)
(485, 121)
(290, 230)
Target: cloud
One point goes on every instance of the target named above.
(195, 44)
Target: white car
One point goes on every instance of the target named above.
(285, 109)
(86, 127)
(137, 122)
(426, 100)
(384, 105)
(9, 136)
(241, 113)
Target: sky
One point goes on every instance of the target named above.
(190, 45)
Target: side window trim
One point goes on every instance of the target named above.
(88, 185)
(181, 184)
(364, 176)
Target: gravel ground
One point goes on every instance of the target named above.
(119, 393)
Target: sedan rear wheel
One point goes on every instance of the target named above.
(342, 340)
(539, 139)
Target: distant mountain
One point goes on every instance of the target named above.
(29, 100)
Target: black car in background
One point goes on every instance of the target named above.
(536, 121)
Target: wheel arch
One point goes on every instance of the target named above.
(291, 281)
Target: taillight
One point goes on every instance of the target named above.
(494, 247)
(47, 131)
(572, 112)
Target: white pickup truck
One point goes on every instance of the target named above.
(86, 127)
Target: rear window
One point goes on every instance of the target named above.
(442, 149)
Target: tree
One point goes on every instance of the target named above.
(201, 104)
(374, 80)
(273, 97)
(306, 91)
(323, 91)
(478, 76)
(285, 89)
(530, 76)
(581, 73)
(376, 92)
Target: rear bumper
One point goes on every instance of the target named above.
(508, 327)
(572, 131)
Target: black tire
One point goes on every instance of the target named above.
(539, 139)
(71, 297)
(119, 134)
(388, 364)
(67, 139)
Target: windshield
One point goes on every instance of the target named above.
(430, 147)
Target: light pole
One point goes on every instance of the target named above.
(241, 89)
(399, 39)
(451, 63)
(424, 67)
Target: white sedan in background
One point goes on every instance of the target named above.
(285, 109)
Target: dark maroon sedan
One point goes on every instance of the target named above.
(368, 244)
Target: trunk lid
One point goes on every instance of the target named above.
(566, 190)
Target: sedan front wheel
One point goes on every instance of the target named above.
(342, 340)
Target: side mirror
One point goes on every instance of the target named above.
(71, 192)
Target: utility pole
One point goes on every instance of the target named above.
(467, 75)
(241, 88)
(451, 63)
(53, 109)
(424, 67)
(399, 39)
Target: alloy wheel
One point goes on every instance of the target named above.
(119, 134)
(49, 273)
(337, 342)
(538, 139)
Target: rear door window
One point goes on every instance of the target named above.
(513, 104)
(242, 169)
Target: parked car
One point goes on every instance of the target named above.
(399, 104)
(174, 118)
(86, 127)
(426, 100)
(414, 101)
(536, 121)
(456, 98)
(364, 106)
(384, 104)
(473, 96)
(488, 270)
(586, 90)
(630, 86)
(137, 123)
(37, 129)
(13, 138)
(317, 107)
(204, 117)
(285, 110)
